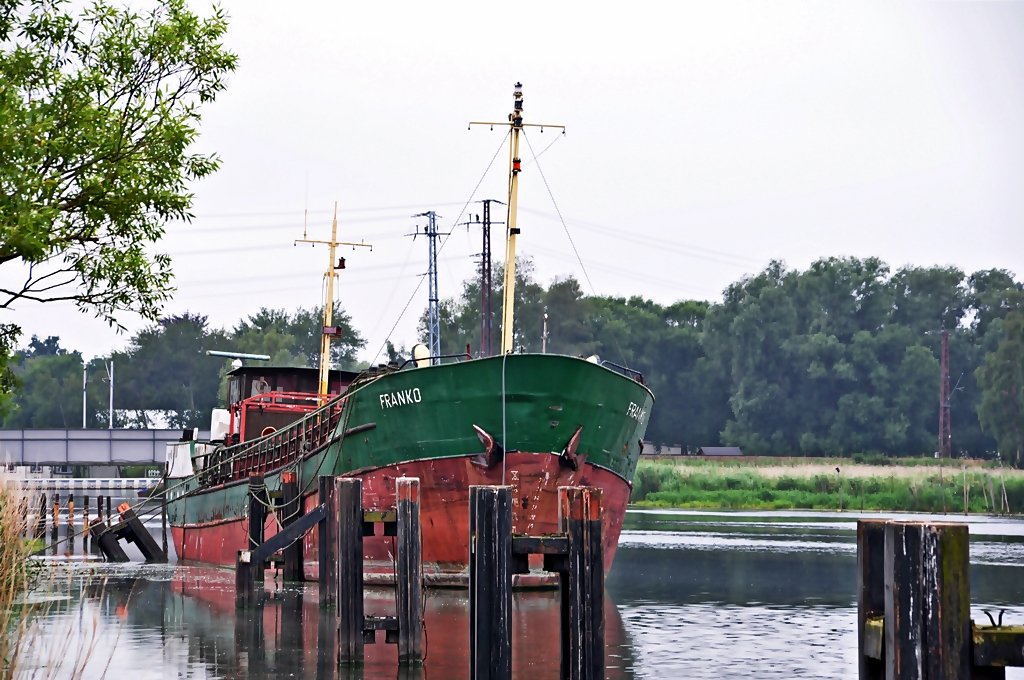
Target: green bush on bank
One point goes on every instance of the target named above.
(662, 485)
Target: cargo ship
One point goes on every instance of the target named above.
(532, 421)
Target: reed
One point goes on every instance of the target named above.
(707, 484)
(16, 575)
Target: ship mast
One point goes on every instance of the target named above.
(516, 125)
(330, 278)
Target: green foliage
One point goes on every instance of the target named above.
(98, 109)
(843, 357)
(1001, 379)
(293, 338)
(661, 485)
(97, 114)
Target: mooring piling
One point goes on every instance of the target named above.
(575, 554)
(346, 585)
(291, 509)
(490, 582)
(71, 513)
(410, 572)
(257, 516)
(41, 518)
(107, 542)
(914, 607)
(342, 523)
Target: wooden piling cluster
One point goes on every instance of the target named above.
(575, 554)
(342, 523)
(37, 528)
(131, 529)
(913, 607)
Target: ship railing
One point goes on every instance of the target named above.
(461, 356)
(630, 373)
(283, 400)
(277, 449)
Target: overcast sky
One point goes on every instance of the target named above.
(704, 139)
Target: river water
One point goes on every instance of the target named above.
(691, 594)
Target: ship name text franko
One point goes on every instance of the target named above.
(400, 398)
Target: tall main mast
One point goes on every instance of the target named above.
(330, 278)
(516, 125)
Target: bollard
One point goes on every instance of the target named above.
(410, 573)
(490, 582)
(291, 509)
(582, 584)
(348, 578)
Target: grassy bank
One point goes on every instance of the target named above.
(920, 485)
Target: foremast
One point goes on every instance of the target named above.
(516, 125)
(330, 279)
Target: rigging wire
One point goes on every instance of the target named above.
(586, 274)
(441, 247)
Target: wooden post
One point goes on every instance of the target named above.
(163, 519)
(257, 519)
(410, 573)
(349, 575)
(107, 542)
(490, 582)
(291, 509)
(927, 602)
(947, 601)
(23, 511)
(582, 584)
(41, 519)
(870, 594)
(56, 511)
(85, 511)
(904, 614)
(327, 542)
(245, 580)
(71, 510)
(140, 536)
(109, 513)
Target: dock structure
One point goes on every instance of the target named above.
(914, 607)
(575, 554)
(342, 523)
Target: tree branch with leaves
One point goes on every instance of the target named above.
(99, 109)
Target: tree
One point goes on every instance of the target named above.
(1001, 379)
(294, 339)
(52, 393)
(166, 369)
(98, 111)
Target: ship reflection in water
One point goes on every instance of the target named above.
(181, 622)
(696, 594)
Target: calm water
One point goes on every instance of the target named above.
(692, 594)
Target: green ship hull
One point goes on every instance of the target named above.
(533, 421)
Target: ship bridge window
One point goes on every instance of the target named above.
(234, 391)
